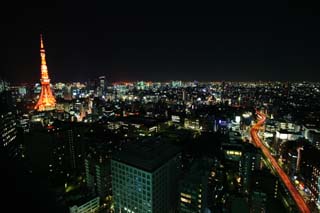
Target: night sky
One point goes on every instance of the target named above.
(151, 42)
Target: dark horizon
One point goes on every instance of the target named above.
(246, 43)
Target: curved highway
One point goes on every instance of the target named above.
(284, 177)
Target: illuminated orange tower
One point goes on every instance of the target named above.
(46, 99)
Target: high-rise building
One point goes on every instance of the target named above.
(313, 136)
(67, 93)
(250, 161)
(8, 126)
(8, 133)
(292, 162)
(266, 192)
(144, 177)
(310, 170)
(46, 151)
(266, 182)
(3, 85)
(184, 95)
(258, 202)
(237, 204)
(141, 85)
(46, 99)
(176, 84)
(98, 174)
(102, 85)
(72, 135)
(193, 188)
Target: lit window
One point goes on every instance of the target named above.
(184, 200)
(186, 195)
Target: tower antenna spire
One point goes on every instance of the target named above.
(41, 41)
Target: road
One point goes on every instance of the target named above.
(284, 177)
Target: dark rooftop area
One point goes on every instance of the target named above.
(147, 155)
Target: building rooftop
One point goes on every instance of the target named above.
(285, 131)
(239, 204)
(198, 172)
(146, 155)
(78, 198)
(148, 122)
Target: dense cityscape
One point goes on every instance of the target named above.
(176, 146)
(134, 109)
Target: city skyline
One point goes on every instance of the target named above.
(269, 43)
(152, 108)
(245, 138)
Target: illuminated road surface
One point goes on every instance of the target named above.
(284, 177)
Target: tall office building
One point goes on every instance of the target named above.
(8, 126)
(184, 95)
(265, 192)
(98, 174)
(144, 177)
(266, 182)
(46, 151)
(250, 161)
(67, 92)
(3, 85)
(193, 188)
(176, 84)
(258, 202)
(8, 133)
(310, 170)
(72, 135)
(292, 162)
(102, 88)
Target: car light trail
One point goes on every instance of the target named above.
(284, 177)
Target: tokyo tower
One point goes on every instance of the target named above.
(46, 99)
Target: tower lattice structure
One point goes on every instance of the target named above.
(46, 99)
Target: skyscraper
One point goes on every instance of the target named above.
(144, 178)
(250, 161)
(102, 85)
(310, 170)
(8, 133)
(98, 174)
(8, 126)
(46, 99)
(265, 192)
(258, 202)
(193, 188)
(46, 151)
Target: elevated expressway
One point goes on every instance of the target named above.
(284, 177)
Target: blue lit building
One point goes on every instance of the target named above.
(144, 178)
